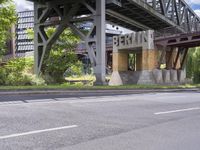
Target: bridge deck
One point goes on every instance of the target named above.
(138, 11)
(136, 15)
(180, 40)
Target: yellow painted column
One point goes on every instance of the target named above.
(146, 60)
(120, 61)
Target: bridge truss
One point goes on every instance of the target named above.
(178, 11)
(136, 15)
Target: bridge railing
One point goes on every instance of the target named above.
(177, 11)
(174, 31)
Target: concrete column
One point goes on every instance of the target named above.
(146, 60)
(120, 61)
(166, 76)
(100, 69)
(139, 61)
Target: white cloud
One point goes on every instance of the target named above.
(195, 1)
(197, 12)
(23, 5)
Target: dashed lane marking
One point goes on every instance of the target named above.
(36, 132)
(176, 111)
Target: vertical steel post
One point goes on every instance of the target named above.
(36, 42)
(100, 21)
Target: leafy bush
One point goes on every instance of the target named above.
(37, 80)
(74, 70)
(60, 64)
(61, 61)
(16, 65)
(3, 76)
(19, 72)
(18, 79)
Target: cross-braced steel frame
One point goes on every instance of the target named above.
(179, 12)
(136, 15)
(66, 16)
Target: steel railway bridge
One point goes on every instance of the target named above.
(136, 15)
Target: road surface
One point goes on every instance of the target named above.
(149, 121)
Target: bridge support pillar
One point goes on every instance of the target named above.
(100, 70)
(175, 58)
(66, 14)
(121, 61)
(145, 60)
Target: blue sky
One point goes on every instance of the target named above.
(195, 4)
(25, 5)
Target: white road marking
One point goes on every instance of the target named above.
(36, 132)
(176, 111)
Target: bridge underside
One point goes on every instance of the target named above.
(135, 15)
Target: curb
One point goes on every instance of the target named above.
(73, 92)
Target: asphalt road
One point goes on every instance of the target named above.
(151, 121)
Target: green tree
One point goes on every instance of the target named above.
(60, 64)
(13, 72)
(7, 19)
(67, 40)
(62, 59)
(193, 64)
